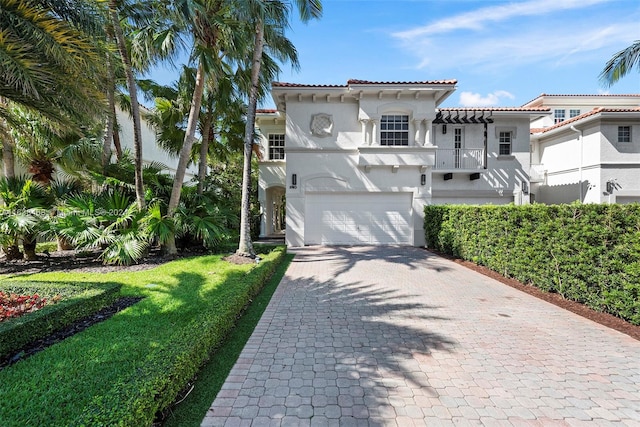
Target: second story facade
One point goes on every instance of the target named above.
(356, 163)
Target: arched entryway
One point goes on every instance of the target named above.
(275, 211)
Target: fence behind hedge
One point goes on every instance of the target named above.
(586, 253)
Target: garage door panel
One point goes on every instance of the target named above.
(353, 219)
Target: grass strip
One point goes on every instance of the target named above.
(124, 370)
(211, 377)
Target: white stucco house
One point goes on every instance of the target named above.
(587, 150)
(356, 163)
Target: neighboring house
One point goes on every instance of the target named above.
(151, 151)
(587, 150)
(356, 163)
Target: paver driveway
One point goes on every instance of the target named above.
(385, 336)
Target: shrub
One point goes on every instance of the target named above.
(586, 253)
(76, 301)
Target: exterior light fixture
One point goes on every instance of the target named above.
(294, 179)
(444, 129)
(423, 179)
(525, 187)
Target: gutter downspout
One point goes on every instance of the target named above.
(573, 128)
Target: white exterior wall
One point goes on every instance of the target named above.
(347, 162)
(592, 157)
(151, 152)
(501, 181)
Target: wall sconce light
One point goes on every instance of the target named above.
(444, 129)
(294, 179)
(423, 179)
(525, 187)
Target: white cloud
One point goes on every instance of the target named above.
(470, 99)
(497, 52)
(478, 19)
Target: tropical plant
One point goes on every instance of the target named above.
(51, 59)
(24, 206)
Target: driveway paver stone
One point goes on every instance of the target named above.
(385, 336)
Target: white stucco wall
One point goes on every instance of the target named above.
(151, 152)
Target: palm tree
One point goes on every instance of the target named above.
(208, 24)
(269, 18)
(114, 16)
(621, 64)
(51, 59)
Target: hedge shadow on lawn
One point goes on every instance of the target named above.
(124, 370)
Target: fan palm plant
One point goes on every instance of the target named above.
(24, 207)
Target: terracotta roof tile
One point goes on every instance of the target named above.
(282, 84)
(365, 82)
(581, 96)
(266, 111)
(426, 82)
(587, 114)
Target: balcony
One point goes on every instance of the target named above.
(537, 173)
(459, 159)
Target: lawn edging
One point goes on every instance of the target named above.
(79, 300)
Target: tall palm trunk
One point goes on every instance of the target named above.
(185, 153)
(245, 247)
(109, 125)
(135, 107)
(207, 131)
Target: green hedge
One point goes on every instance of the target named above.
(134, 400)
(124, 370)
(586, 253)
(78, 301)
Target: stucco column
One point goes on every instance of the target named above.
(427, 133)
(363, 126)
(374, 132)
(417, 124)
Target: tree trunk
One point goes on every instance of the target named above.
(8, 160)
(116, 135)
(245, 248)
(185, 154)
(135, 107)
(12, 252)
(29, 247)
(204, 151)
(108, 129)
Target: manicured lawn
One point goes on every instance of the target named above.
(122, 371)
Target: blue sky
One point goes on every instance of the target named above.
(502, 53)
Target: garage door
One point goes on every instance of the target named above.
(358, 219)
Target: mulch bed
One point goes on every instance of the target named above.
(604, 319)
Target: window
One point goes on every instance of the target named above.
(505, 139)
(574, 113)
(558, 116)
(624, 133)
(276, 146)
(394, 130)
